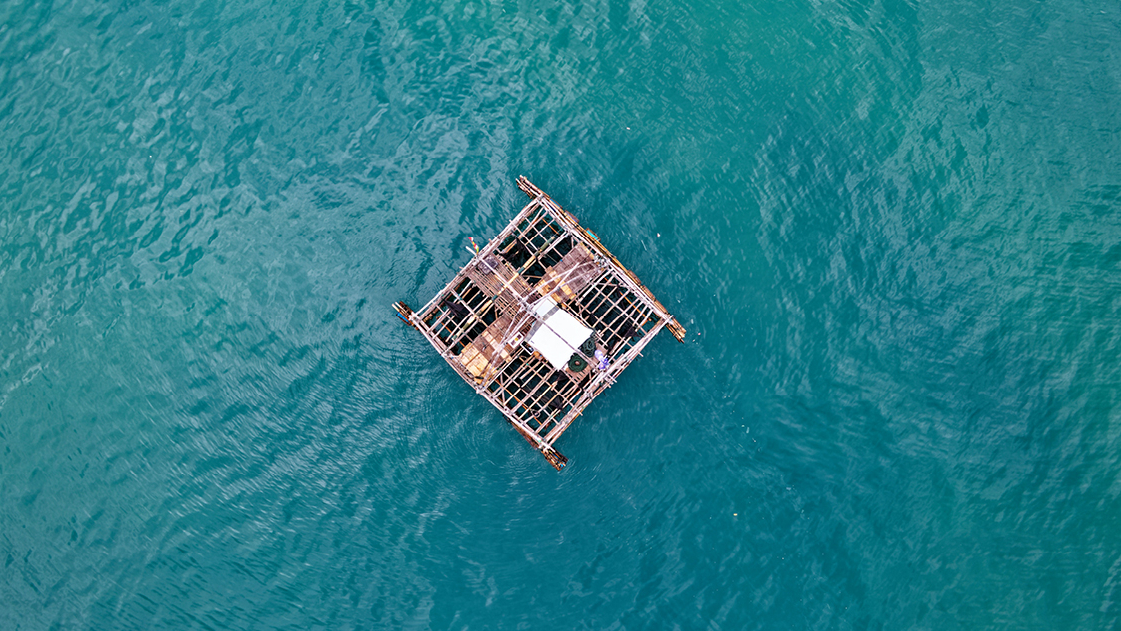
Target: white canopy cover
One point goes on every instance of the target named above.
(558, 333)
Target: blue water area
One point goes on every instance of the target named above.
(892, 230)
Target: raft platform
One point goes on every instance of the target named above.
(541, 321)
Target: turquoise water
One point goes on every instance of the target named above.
(893, 231)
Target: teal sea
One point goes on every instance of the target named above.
(892, 229)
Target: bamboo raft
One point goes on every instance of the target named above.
(541, 321)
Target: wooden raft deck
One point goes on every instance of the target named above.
(481, 321)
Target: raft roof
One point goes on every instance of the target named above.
(483, 321)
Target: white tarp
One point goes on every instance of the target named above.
(558, 334)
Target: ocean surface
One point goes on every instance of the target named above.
(892, 230)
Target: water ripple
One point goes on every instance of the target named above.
(890, 231)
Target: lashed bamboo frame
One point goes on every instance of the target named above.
(527, 404)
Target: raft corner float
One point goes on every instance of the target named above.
(541, 320)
